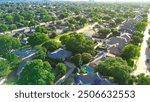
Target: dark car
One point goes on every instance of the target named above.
(147, 60)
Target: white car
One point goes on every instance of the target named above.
(2, 80)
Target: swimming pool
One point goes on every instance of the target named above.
(88, 69)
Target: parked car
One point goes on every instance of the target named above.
(2, 80)
(147, 60)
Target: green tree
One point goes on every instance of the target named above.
(60, 69)
(112, 24)
(12, 59)
(115, 67)
(72, 21)
(3, 27)
(4, 68)
(33, 23)
(51, 45)
(77, 60)
(9, 19)
(42, 52)
(86, 57)
(63, 15)
(140, 26)
(12, 27)
(18, 18)
(106, 18)
(7, 43)
(46, 18)
(77, 43)
(84, 21)
(36, 72)
(41, 29)
(137, 37)
(115, 32)
(37, 38)
(142, 79)
(137, 40)
(119, 20)
(104, 32)
(130, 51)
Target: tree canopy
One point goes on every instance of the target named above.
(37, 72)
(77, 60)
(140, 26)
(37, 38)
(142, 79)
(51, 45)
(86, 57)
(77, 43)
(137, 37)
(115, 67)
(104, 32)
(12, 59)
(61, 69)
(7, 43)
(4, 68)
(130, 51)
(42, 29)
(42, 52)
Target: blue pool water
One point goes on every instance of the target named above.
(88, 69)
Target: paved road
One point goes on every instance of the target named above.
(142, 66)
(86, 28)
(11, 33)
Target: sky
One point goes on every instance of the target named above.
(88, 0)
(116, 0)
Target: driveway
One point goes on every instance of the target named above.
(71, 68)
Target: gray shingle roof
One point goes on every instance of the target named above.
(59, 53)
(90, 79)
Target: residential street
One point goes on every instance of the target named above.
(142, 66)
(86, 28)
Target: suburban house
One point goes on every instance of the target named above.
(96, 29)
(60, 54)
(26, 55)
(63, 27)
(59, 31)
(105, 25)
(125, 30)
(114, 45)
(17, 34)
(27, 30)
(127, 36)
(22, 65)
(90, 79)
(24, 40)
(89, 34)
(128, 25)
(114, 49)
